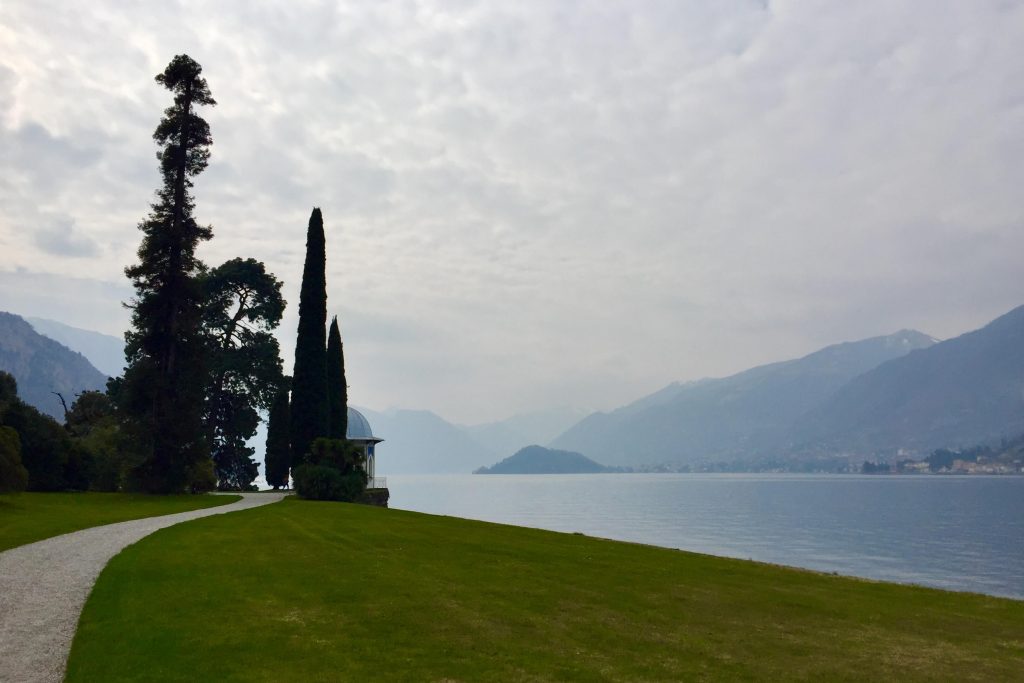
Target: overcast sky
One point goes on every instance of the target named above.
(538, 204)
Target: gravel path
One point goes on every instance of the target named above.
(43, 587)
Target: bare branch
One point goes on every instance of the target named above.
(62, 402)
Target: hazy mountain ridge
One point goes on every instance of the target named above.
(511, 434)
(901, 391)
(420, 442)
(961, 392)
(42, 366)
(744, 415)
(105, 352)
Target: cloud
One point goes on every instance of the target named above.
(59, 236)
(550, 203)
(77, 301)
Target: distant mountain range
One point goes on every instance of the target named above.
(509, 435)
(105, 352)
(43, 366)
(540, 460)
(421, 442)
(962, 392)
(746, 415)
(903, 393)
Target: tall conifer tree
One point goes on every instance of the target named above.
(278, 457)
(337, 389)
(309, 409)
(162, 400)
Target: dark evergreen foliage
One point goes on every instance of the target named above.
(337, 389)
(88, 411)
(39, 448)
(243, 307)
(79, 467)
(232, 421)
(8, 390)
(341, 454)
(309, 410)
(162, 395)
(13, 475)
(334, 471)
(45, 447)
(278, 458)
(316, 482)
(94, 422)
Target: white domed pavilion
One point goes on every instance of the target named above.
(360, 433)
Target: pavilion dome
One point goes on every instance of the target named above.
(359, 427)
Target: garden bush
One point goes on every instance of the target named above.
(13, 475)
(322, 482)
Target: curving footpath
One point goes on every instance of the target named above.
(43, 587)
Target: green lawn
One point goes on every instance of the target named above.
(305, 591)
(28, 517)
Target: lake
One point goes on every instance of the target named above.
(961, 533)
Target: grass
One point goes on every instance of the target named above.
(28, 517)
(305, 591)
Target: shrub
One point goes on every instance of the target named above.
(78, 467)
(108, 475)
(13, 475)
(201, 477)
(322, 482)
(44, 446)
(111, 461)
(317, 482)
(353, 485)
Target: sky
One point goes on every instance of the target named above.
(538, 204)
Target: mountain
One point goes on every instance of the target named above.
(420, 442)
(961, 392)
(746, 415)
(105, 352)
(540, 460)
(43, 366)
(511, 434)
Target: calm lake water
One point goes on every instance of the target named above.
(956, 532)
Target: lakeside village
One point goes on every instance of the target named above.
(945, 461)
(1005, 459)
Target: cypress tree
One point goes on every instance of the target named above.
(337, 389)
(162, 399)
(309, 410)
(278, 457)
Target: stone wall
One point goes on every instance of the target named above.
(378, 497)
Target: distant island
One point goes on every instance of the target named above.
(540, 460)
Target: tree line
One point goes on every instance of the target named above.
(202, 362)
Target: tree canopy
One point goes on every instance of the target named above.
(243, 304)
